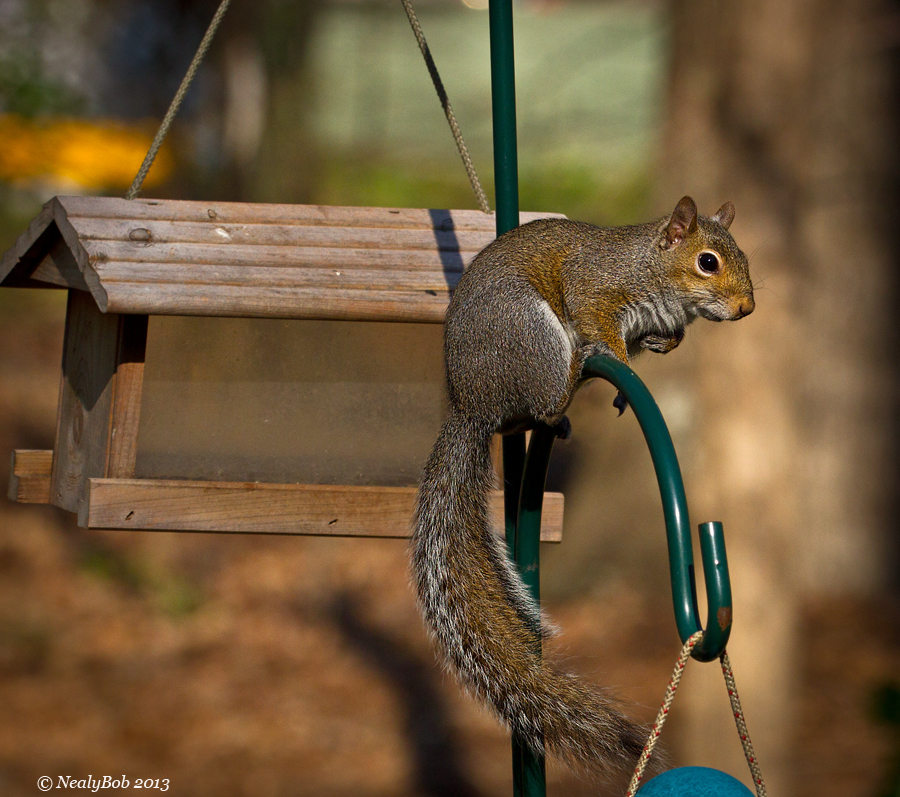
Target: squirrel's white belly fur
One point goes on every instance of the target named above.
(654, 315)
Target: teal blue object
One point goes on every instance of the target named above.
(694, 782)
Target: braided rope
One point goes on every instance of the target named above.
(742, 727)
(664, 713)
(448, 111)
(201, 52)
(176, 101)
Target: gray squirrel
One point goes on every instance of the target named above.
(531, 307)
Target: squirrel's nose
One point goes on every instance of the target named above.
(744, 306)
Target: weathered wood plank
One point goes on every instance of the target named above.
(126, 401)
(240, 212)
(317, 215)
(88, 368)
(268, 278)
(144, 234)
(47, 254)
(322, 303)
(29, 476)
(59, 267)
(269, 508)
(286, 257)
(28, 249)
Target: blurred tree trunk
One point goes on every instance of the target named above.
(267, 142)
(790, 110)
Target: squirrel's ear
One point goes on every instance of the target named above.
(725, 215)
(682, 223)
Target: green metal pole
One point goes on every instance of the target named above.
(528, 769)
(503, 98)
(506, 181)
(531, 503)
(529, 773)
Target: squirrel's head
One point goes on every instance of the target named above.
(705, 262)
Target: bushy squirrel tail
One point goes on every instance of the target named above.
(488, 627)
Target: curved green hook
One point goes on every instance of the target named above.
(678, 530)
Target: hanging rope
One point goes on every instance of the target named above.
(448, 111)
(176, 101)
(201, 52)
(664, 713)
(742, 726)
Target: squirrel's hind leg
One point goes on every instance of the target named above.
(558, 420)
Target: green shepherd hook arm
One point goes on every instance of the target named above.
(675, 511)
(678, 526)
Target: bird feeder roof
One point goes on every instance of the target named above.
(172, 257)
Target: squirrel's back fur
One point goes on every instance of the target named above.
(525, 315)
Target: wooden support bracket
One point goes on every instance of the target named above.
(99, 398)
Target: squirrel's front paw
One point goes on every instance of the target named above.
(661, 344)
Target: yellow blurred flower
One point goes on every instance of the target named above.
(91, 154)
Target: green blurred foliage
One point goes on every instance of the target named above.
(26, 90)
(574, 190)
(170, 593)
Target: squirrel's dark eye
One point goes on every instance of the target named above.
(708, 262)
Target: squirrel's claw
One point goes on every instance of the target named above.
(620, 403)
(662, 344)
(563, 428)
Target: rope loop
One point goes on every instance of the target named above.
(204, 47)
(663, 714)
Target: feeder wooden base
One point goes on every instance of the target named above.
(244, 507)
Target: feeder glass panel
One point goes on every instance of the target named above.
(298, 401)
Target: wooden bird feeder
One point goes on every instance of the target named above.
(244, 368)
